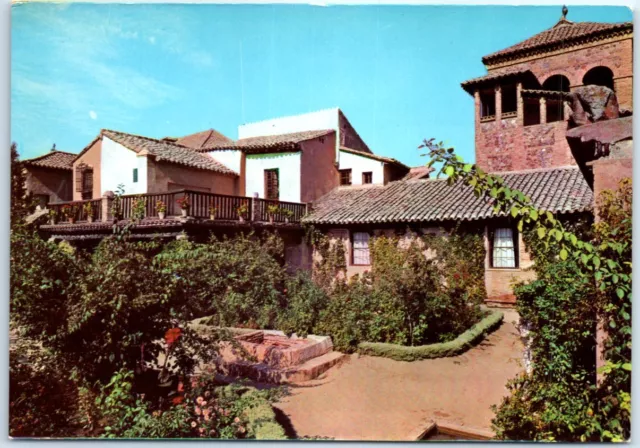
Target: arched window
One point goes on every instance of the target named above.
(600, 76)
(557, 83)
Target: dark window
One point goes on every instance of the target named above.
(271, 184)
(87, 183)
(504, 248)
(41, 199)
(509, 99)
(531, 111)
(557, 83)
(487, 103)
(555, 110)
(600, 76)
(360, 249)
(135, 175)
(345, 177)
(367, 178)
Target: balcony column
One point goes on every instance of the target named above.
(520, 104)
(498, 103)
(255, 213)
(543, 110)
(476, 100)
(107, 203)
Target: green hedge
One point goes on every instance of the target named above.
(440, 350)
(262, 421)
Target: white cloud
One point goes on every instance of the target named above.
(93, 115)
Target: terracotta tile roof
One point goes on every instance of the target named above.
(561, 34)
(270, 143)
(562, 190)
(606, 131)
(203, 139)
(419, 172)
(373, 156)
(528, 78)
(54, 159)
(168, 152)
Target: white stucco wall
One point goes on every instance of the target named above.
(288, 165)
(116, 167)
(358, 165)
(230, 159)
(312, 121)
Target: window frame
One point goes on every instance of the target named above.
(516, 246)
(266, 183)
(485, 106)
(352, 240)
(369, 175)
(342, 173)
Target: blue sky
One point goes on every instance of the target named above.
(160, 70)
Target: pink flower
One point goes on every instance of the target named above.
(193, 424)
(198, 411)
(201, 430)
(236, 420)
(199, 400)
(241, 429)
(207, 393)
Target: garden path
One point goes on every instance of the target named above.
(371, 398)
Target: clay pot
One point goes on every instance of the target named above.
(161, 215)
(184, 212)
(89, 218)
(212, 217)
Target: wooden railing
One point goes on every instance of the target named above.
(201, 205)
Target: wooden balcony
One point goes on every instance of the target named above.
(97, 215)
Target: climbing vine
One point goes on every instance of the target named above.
(603, 261)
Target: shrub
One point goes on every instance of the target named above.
(303, 301)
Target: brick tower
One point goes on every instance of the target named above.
(520, 110)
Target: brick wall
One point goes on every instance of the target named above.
(505, 144)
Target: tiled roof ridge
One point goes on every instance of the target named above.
(157, 140)
(48, 154)
(371, 155)
(245, 143)
(522, 48)
(537, 170)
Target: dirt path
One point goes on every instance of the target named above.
(370, 398)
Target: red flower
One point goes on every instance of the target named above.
(177, 400)
(172, 335)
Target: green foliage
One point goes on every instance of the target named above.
(438, 350)
(562, 316)
(238, 281)
(42, 400)
(303, 301)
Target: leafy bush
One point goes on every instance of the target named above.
(303, 302)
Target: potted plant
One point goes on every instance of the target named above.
(139, 208)
(272, 210)
(288, 214)
(242, 212)
(69, 212)
(53, 216)
(212, 212)
(184, 204)
(161, 208)
(88, 210)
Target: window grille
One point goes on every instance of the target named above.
(367, 178)
(361, 254)
(345, 177)
(271, 184)
(504, 249)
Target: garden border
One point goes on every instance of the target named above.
(456, 347)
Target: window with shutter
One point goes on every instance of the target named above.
(271, 184)
(367, 177)
(345, 177)
(360, 249)
(87, 184)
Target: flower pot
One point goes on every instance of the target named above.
(52, 221)
(270, 219)
(71, 220)
(286, 219)
(212, 217)
(89, 218)
(241, 218)
(161, 215)
(184, 212)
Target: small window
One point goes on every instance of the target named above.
(360, 252)
(555, 110)
(271, 184)
(509, 99)
(531, 111)
(504, 251)
(367, 178)
(487, 103)
(135, 175)
(345, 177)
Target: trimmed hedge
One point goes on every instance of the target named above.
(262, 422)
(440, 350)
